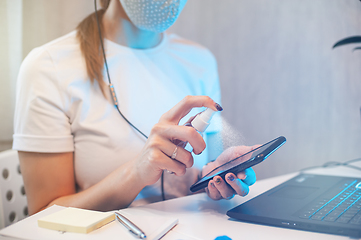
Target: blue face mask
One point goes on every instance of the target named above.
(153, 15)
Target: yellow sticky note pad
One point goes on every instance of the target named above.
(76, 220)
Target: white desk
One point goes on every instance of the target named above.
(202, 218)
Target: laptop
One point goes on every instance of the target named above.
(318, 203)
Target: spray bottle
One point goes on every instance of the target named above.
(199, 123)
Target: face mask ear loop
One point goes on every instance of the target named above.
(115, 100)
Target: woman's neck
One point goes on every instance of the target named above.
(119, 29)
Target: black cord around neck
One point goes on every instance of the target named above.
(113, 91)
(108, 75)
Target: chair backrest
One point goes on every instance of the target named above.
(13, 204)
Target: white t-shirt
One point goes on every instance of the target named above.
(58, 109)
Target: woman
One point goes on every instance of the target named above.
(75, 148)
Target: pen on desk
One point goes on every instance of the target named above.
(130, 226)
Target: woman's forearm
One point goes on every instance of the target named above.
(116, 191)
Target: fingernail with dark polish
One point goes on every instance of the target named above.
(231, 178)
(219, 108)
(218, 180)
(212, 184)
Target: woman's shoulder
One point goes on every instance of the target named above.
(53, 62)
(56, 50)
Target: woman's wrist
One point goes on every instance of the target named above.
(121, 187)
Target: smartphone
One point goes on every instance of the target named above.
(241, 163)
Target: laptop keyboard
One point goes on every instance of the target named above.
(342, 204)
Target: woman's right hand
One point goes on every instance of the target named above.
(156, 154)
(49, 177)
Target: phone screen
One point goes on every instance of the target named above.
(241, 163)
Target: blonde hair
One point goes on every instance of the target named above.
(88, 36)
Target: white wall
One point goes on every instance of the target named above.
(278, 72)
(10, 60)
(46, 20)
(280, 76)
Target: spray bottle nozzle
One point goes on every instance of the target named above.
(202, 120)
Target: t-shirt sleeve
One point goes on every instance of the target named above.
(41, 123)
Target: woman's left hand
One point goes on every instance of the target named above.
(237, 183)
